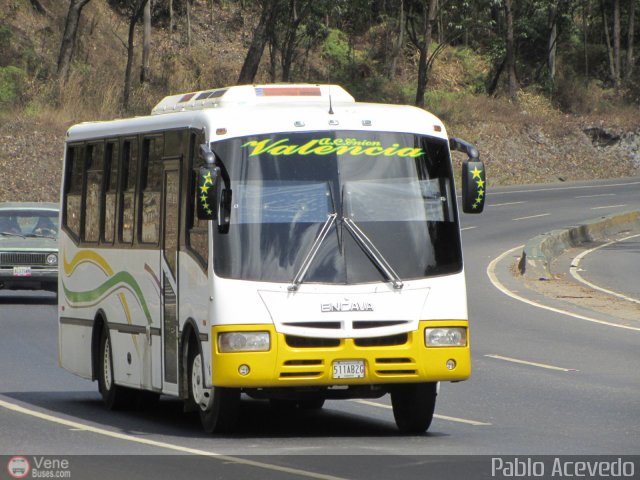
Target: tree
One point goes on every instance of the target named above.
(69, 38)
(251, 63)
(135, 10)
(145, 73)
(511, 52)
(630, 37)
(419, 29)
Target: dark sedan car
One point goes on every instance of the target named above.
(29, 246)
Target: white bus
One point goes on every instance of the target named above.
(282, 242)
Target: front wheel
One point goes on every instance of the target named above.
(218, 407)
(114, 396)
(413, 406)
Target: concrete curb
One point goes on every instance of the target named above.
(540, 251)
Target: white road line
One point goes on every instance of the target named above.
(533, 364)
(608, 206)
(577, 187)
(504, 204)
(598, 195)
(496, 283)
(576, 263)
(169, 446)
(531, 216)
(467, 228)
(441, 417)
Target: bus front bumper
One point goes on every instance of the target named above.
(317, 362)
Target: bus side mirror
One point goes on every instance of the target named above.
(473, 186)
(208, 192)
(473, 177)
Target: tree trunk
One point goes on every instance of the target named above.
(511, 52)
(145, 74)
(171, 25)
(616, 41)
(427, 24)
(630, 36)
(135, 16)
(605, 27)
(69, 38)
(254, 54)
(397, 49)
(291, 38)
(189, 23)
(552, 44)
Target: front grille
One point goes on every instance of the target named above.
(388, 341)
(328, 325)
(309, 342)
(377, 324)
(23, 258)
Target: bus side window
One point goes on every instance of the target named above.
(111, 191)
(197, 230)
(94, 165)
(128, 187)
(73, 190)
(151, 185)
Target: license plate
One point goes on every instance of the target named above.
(21, 271)
(348, 369)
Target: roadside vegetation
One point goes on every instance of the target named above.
(548, 90)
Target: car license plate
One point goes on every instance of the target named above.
(21, 271)
(348, 369)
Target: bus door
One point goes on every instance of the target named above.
(169, 273)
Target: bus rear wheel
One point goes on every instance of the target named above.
(413, 406)
(219, 407)
(114, 396)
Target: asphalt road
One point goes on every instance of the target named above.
(543, 383)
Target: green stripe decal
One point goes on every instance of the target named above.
(119, 280)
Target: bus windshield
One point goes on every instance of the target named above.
(396, 188)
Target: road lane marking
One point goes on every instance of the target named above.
(608, 206)
(169, 446)
(531, 216)
(441, 417)
(598, 195)
(576, 263)
(467, 228)
(577, 187)
(496, 283)
(504, 204)
(533, 364)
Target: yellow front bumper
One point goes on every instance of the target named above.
(286, 366)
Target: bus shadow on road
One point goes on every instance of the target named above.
(166, 417)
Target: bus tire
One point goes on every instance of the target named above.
(114, 396)
(413, 406)
(219, 407)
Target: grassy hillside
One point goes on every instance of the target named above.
(530, 141)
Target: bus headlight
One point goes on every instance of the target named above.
(243, 342)
(445, 337)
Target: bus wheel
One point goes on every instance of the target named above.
(219, 407)
(413, 406)
(114, 396)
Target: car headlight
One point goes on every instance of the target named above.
(243, 342)
(445, 337)
(52, 259)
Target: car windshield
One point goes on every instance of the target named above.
(395, 189)
(29, 223)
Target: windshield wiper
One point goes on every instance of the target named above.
(302, 271)
(372, 252)
(12, 234)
